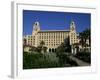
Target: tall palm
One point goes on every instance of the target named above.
(84, 36)
(65, 46)
(42, 43)
(88, 35)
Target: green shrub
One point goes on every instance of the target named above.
(39, 60)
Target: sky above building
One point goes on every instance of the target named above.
(55, 20)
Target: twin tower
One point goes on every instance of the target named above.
(36, 26)
(53, 38)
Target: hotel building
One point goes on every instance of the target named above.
(51, 38)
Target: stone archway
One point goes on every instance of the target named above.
(50, 50)
(53, 50)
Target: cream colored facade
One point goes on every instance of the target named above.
(52, 38)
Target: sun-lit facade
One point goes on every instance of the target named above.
(52, 38)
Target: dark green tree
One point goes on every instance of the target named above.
(67, 45)
(85, 35)
(41, 48)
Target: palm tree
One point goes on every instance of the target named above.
(42, 43)
(85, 35)
(88, 35)
(41, 47)
(60, 49)
(65, 46)
(82, 38)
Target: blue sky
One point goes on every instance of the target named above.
(54, 20)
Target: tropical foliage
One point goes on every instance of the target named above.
(65, 46)
(85, 35)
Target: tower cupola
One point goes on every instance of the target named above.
(36, 26)
(72, 26)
